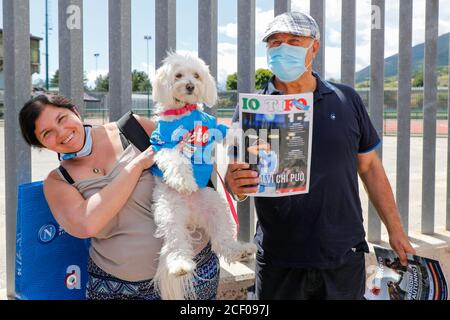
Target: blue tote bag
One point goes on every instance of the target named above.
(50, 263)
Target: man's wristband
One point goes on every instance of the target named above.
(235, 196)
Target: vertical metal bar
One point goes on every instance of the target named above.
(376, 99)
(47, 78)
(207, 33)
(348, 47)
(165, 28)
(70, 26)
(404, 109)
(317, 11)
(282, 6)
(246, 83)
(17, 71)
(119, 58)
(447, 223)
(207, 45)
(429, 115)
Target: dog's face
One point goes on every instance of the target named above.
(183, 79)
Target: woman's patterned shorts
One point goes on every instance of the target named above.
(104, 286)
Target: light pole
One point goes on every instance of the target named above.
(96, 55)
(148, 38)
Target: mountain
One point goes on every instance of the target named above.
(391, 63)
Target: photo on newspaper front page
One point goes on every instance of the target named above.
(276, 141)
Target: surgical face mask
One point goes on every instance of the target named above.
(287, 62)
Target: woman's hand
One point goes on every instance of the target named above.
(146, 159)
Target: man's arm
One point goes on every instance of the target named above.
(378, 188)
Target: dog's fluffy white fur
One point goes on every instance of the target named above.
(179, 204)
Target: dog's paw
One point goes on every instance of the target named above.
(180, 267)
(233, 251)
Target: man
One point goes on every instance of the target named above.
(311, 246)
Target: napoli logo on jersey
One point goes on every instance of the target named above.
(47, 233)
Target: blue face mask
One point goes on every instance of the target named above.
(287, 62)
(85, 151)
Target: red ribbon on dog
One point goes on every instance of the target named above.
(176, 112)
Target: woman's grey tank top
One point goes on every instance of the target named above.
(126, 247)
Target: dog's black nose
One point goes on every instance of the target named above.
(190, 87)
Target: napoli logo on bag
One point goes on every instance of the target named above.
(50, 263)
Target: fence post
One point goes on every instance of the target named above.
(429, 115)
(404, 110)
(447, 223)
(376, 100)
(17, 71)
(348, 45)
(165, 28)
(207, 33)
(70, 26)
(317, 11)
(282, 6)
(207, 46)
(246, 84)
(119, 58)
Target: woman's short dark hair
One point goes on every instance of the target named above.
(32, 109)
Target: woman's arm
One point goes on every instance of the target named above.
(85, 218)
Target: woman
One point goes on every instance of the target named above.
(103, 191)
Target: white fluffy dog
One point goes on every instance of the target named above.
(180, 87)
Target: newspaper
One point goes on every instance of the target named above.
(276, 141)
(422, 279)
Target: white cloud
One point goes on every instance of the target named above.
(418, 22)
(261, 62)
(333, 63)
(262, 18)
(230, 30)
(226, 61)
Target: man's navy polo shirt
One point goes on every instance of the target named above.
(319, 229)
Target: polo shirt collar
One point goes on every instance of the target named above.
(322, 88)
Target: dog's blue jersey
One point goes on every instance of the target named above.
(195, 135)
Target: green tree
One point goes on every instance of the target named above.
(102, 83)
(417, 78)
(140, 81)
(54, 81)
(232, 81)
(262, 76)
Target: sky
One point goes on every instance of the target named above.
(95, 31)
